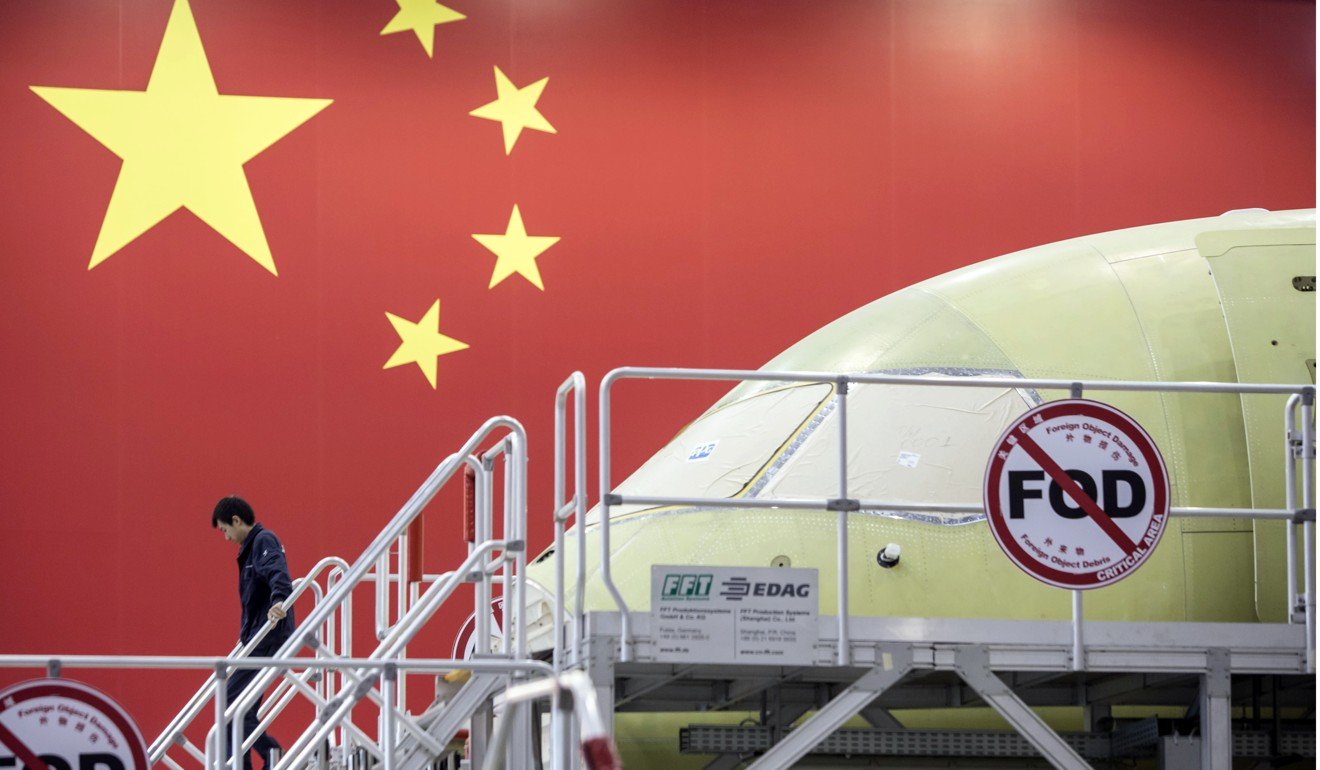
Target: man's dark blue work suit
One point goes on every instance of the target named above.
(263, 581)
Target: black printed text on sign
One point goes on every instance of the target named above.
(57, 724)
(1076, 494)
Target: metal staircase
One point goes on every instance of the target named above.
(336, 683)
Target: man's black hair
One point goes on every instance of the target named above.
(228, 508)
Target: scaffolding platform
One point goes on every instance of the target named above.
(900, 663)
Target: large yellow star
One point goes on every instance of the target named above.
(421, 16)
(422, 343)
(515, 109)
(516, 251)
(183, 144)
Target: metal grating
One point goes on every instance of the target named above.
(710, 739)
(1136, 739)
(1297, 744)
(713, 739)
(1256, 744)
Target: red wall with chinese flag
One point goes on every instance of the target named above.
(724, 178)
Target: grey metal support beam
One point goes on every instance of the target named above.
(879, 717)
(1216, 712)
(895, 662)
(973, 664)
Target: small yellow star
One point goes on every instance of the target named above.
(515, 109)
(421, 16)
(183, 144)
(516, 251)
(422, 343)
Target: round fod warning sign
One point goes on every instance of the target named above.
(1076, 494)
(57, 724)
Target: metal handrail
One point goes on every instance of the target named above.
(1290, 497)
(738, 375)
(1297, 515)
(576, 508)
(410, 621)
(320, 700)
(1308, 528)
(348, 697)
(1304, 515)
(414, 665)
(170, 734)
(515, 523)
(328, 629)
(296, 684)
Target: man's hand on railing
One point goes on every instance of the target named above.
(276, 613)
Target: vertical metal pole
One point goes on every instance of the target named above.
(483, 725)
(1078, 655)
(236, 736)
(326, 633)
(1308, 529)
(571, 750)
(401, 588)
(561, 740)
(558, 659)
(580, 510)
(1290, 497)
(401, 595)
(472, 533)
(327, 640)
(625, 635)
(382, 594)
(844, 656)
(507, 532)
(558, 716)
(1216, 713)
(221, 680)
(518, 461)
(346, 650)
(401, 695)
(485, 531)
(510, 528)
(557, 652)
(387, 716)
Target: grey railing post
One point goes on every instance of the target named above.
(221, 680)
(844, 651)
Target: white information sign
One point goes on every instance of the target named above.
(1076, 494)
(734, 614)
